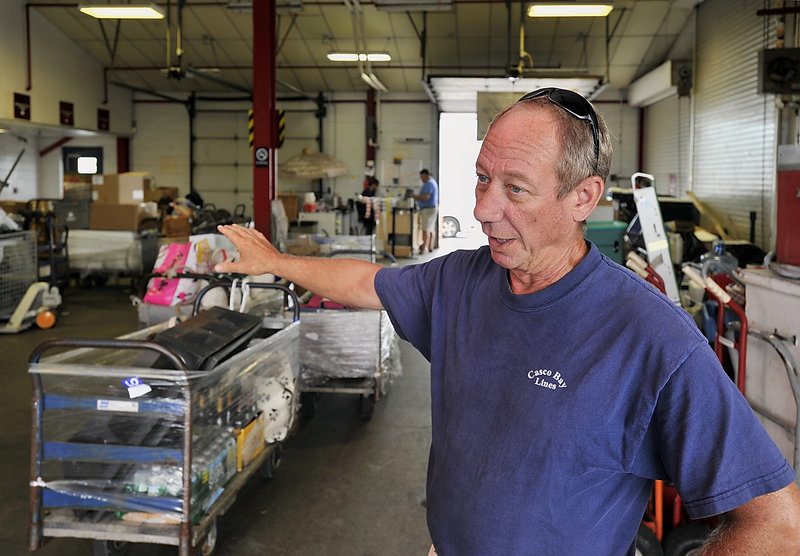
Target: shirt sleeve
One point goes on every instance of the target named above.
(710, 442)
(406, 293)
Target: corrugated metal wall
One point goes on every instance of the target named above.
(623, 123)
(735, 126)
(667, 128)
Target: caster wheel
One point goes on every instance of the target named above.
(208, 546)
(366, 406)
(685, 538)
(647, 543)
(271, 464)
(109, 548)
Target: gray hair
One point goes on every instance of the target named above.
(577, 152)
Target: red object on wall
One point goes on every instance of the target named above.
(787, 247)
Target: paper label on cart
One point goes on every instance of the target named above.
(658, 245)
(118, 405)
(726, 342)
(136, 387)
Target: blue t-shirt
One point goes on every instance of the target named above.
(553, 412)
(432, 188)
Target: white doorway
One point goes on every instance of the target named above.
(458, 150)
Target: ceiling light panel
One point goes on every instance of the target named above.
(570, 9)
(355, 57)
(122, 11)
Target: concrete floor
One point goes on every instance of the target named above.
(345, 487)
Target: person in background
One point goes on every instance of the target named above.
(366, 211)
(428, 202)
(562, 384)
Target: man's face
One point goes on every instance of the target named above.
(530, 231)
(424, 177)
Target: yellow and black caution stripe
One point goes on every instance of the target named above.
(250, 127)
(281, 127)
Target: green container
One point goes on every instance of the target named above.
(609, 238)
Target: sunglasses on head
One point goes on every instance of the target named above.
(575, 105)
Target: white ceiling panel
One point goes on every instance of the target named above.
(472, 38)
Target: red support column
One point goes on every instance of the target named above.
(264, 114)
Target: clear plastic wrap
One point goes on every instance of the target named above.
(110, 434)
(338, 343)
(353, 243)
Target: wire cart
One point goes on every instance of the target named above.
(148, 438)
(347, 351)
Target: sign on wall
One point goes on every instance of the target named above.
(22, 106)
(103, 119)
(66, 113)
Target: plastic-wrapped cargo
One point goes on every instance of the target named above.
(347, 344)
(118, 423)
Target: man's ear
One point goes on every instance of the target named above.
(586, 196)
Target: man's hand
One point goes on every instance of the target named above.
(256, 254)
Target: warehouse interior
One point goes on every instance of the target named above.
(125, 142)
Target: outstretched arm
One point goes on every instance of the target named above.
(767, 525)
(346, 281)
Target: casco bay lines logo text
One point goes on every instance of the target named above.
(547, 379)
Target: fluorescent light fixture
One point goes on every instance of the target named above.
(570, 9)
(122, 11)
(355, 57)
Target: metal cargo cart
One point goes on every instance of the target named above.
(96, 255)
(23, 300)
(347, 351)
(149, 437)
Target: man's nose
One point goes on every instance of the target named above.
(488, 204)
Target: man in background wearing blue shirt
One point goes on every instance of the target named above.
(428, 201)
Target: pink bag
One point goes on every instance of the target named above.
(161, 291)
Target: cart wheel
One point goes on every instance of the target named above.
(366, 405)
(109, 548)
(685, 538)
(209, 544)
(271, 464)
(45, 319)
(308, 404)
(647, 543)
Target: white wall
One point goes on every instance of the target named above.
(407, 126)
(61, 71)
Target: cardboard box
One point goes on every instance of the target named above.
(250, 441)
(176, 226)
(120, 217)
(291, 205)
(121, 189)
(155, 195)
(304, 246)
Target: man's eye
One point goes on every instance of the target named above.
(482, 179)
(515, 189)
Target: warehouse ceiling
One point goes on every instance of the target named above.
(426, 39)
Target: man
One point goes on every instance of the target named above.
(365, 209)
(562, 385)
(428, 202)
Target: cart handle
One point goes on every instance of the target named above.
(108, 344)
(389, 256)
(708, 284)
(286, 289)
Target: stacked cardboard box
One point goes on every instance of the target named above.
(118, 201)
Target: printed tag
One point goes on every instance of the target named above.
(136, 387)
(117, 405)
